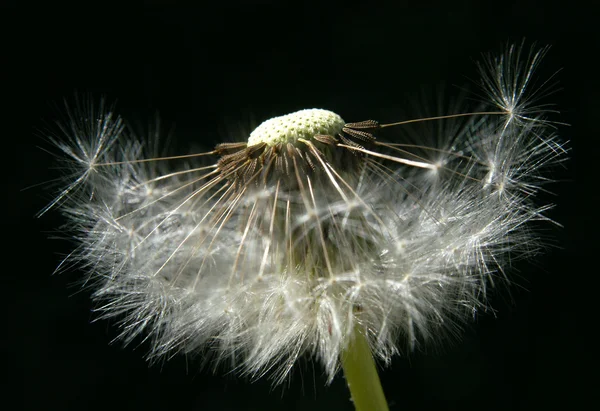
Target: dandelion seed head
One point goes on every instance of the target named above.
(277, 247)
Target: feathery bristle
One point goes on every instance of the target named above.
(277, 247)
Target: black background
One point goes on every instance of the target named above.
(215, 70)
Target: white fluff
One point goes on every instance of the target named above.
(264, 273)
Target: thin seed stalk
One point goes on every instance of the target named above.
(361, 374)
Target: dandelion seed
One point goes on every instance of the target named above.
(313, 237)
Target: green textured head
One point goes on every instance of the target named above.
(303, 124)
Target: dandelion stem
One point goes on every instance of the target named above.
(361, 374)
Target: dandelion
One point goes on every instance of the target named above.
(313, 237)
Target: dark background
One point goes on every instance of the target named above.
(212, 71)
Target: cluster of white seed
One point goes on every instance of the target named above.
(344, 232)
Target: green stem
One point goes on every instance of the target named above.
(361, 375)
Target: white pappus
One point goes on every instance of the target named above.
(276, 247)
